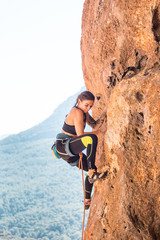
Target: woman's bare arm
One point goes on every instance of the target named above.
(97, 123)
(91, 121)
(79, 123)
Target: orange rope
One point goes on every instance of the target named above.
(81, 167)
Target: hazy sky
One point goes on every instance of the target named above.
(40, 59)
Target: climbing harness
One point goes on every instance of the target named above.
(81, 167)
(65, 139)
(54, 151)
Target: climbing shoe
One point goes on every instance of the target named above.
(87, 203)
(97, 176)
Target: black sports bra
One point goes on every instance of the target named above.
(71, 128)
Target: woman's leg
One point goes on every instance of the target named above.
(88, 185)
(88, 188)
(77, 145)
(89, 141)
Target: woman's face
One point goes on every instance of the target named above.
(85, 105)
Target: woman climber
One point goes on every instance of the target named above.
(73, 140)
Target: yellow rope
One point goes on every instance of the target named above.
(81, 167)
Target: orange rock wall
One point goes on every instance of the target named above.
(120, 58)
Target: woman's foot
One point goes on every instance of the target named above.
(90, 173)
(87, 203)
(96, 176)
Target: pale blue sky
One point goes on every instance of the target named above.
(40, 59)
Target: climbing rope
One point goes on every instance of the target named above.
(81, 167)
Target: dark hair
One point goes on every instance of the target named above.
(86, 95)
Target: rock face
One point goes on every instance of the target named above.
(120, 58)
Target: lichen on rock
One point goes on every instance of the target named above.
(120, 58)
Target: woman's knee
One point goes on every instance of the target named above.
(86, 140)
(89, 139)
(94, 137)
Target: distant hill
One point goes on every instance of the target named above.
(40, 196)
(4, 136)
(48, 128)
